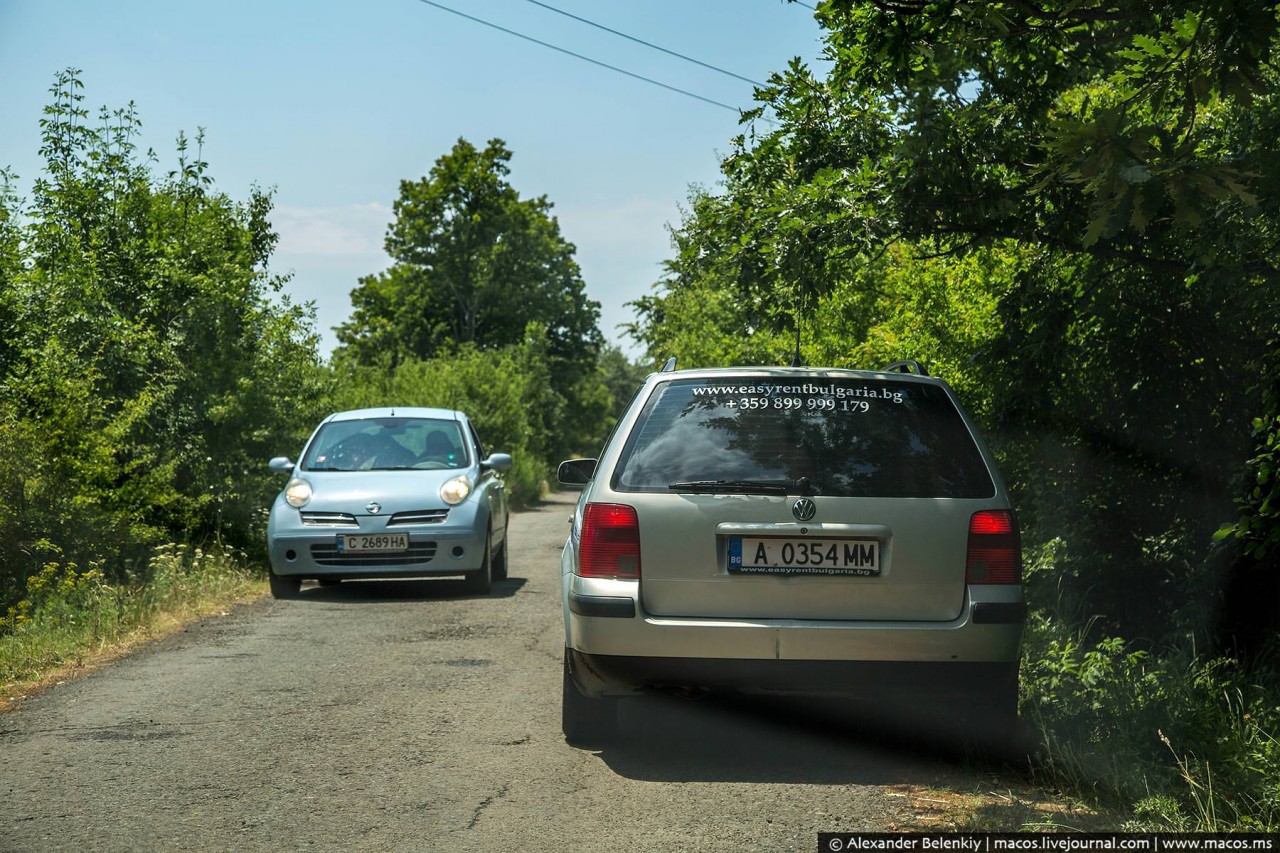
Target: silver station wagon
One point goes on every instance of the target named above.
(389, 493)
(805, 531)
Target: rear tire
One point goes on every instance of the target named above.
(990, 717)
(586, 721)
(480, 582)
(284, 586)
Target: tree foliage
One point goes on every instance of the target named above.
(150, 363)
(474, 262)
(508, 394)
(478, 270)
(1113, 168)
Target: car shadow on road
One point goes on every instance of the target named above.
(665, 739)
(414, 589)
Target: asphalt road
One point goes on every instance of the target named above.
(410, 716)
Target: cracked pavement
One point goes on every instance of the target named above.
(412, 716)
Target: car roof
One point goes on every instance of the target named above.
(397, 412)
(788, 373)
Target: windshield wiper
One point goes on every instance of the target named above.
(757, 487)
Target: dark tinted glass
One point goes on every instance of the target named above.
(848, 437)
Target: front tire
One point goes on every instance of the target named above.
(586, 721)
(284, 586)
(480, 581)
(499, 571)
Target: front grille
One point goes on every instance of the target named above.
(329, 519)
(329, 555)
(419, 516)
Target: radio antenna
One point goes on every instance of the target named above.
(795, 359)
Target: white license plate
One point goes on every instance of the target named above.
(373, 543)
(860, 557)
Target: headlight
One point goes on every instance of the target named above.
(456, 490)
(297, 492)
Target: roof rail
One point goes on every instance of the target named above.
(670, 365)
(906, 366)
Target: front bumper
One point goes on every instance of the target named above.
(453, 547)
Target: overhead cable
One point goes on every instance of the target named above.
(558, 49)
(647, 44)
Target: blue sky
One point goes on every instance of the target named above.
(332, 103)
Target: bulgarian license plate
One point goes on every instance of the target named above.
(859, 557)
(372, 543)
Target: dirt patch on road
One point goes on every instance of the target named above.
(997, 807)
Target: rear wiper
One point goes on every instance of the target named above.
(759, 487)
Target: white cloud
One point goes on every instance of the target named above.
(621, 248)
(636, 226)
(355, 230)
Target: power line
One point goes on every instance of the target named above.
(647, 44)
(583, 58)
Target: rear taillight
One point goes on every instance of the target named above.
(995, 548)
(609, 543)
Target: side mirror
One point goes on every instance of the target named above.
(576, 472)
(500, 462)
(281, 464)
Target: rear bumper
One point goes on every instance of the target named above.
(624, 607)
(889, 683)
(621, 648)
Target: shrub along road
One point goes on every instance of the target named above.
(409, 716)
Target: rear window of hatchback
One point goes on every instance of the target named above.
(848, 437)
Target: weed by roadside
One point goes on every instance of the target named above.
(1178, 740)
(70, 614)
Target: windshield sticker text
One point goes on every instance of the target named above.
(806, 397)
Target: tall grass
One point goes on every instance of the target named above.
(1181, 740)
(69, 613)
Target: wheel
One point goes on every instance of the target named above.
(989, 718)
(284, 586)
(499, 571)
(586, 721)
(480, 582)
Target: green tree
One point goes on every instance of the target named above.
(622, 378)
(474, 262)
(1124, 156)
(150, 362)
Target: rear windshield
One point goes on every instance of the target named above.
(847, 437)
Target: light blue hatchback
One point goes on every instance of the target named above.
(390, 493)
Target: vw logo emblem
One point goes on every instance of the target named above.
(374, 507)
(804, 509)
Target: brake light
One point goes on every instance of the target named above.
(995, 548)
(609, 542)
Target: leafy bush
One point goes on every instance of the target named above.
(508, 395)
(1188, 741)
